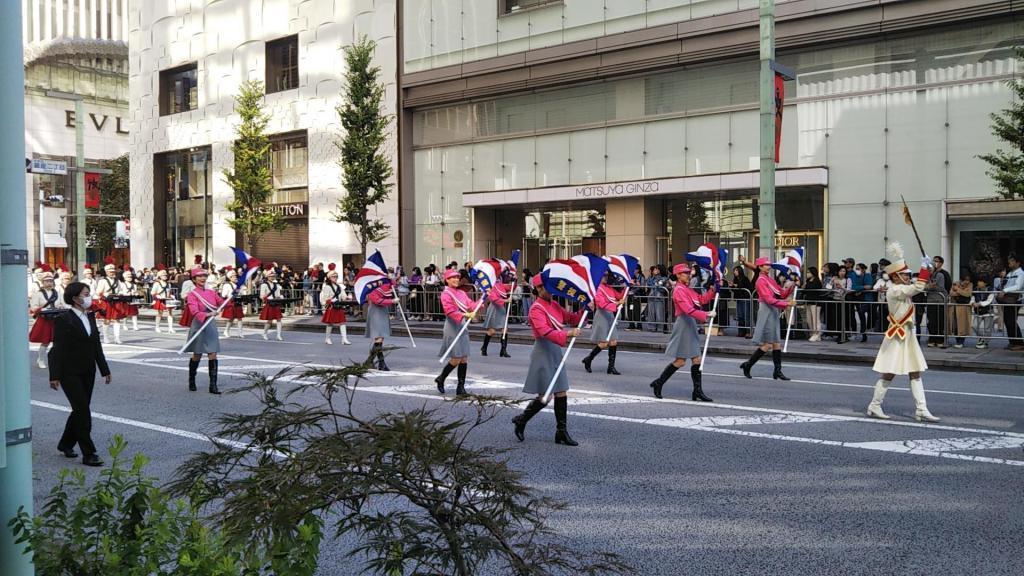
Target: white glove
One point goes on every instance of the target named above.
(712, 314)
(926, 262)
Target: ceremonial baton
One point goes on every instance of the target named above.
(707, 337)
(618, 312)
(402, 312)
(213, 316)
(547, 393)
(789, 325)
(909, 220)
(465, 325)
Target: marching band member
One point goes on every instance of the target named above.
(35, 277)
(161, 293)
(685, 340)
(549, 322)
(767, 336)
(235, 311)
(331, 298)
(498, 297)
(900, 352)
(458, 308)
(65, 281)
(202, 302)
(270, 290)
(378, 323)
(607, 302)
(46, 298)
(129, 289)
(113, 312)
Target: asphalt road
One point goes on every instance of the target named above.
(772, 478)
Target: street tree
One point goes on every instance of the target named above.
(1006, 165)
(366, 168)
(114, 199)
(250, 180)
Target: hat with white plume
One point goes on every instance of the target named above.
(894, 252)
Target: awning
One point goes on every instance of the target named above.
(55, 241)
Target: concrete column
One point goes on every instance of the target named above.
(680, 231)
(496, 233)
(632, 227)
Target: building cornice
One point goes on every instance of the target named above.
(799, 23)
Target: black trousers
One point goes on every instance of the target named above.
(78, 390)
(936, 323)
(1012, 328)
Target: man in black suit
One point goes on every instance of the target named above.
(75, 355)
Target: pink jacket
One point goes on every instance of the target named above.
(498, 294)
(381, 296)
(455, 302)
(549, 320)
(608, 298)
(689, 302)
(769, 292)
(202, 302)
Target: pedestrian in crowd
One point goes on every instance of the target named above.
(42, 304)
(959, 310)
(743, 292)
(1009, 298)
(415, 287)
(812, 292)
(552, 327)
(937, 296)
(319, 277)
(76, 354)
(997, 286)
(863, 283)
(333, 297)
(432, 290)
(900, 352)
(838, 286)
(685, 342)
(606, 305)
(527, 291)
(202, 302)
(881, 285)
(459, 308)
(773, 299)
(657, 300)
(984, 315)
(635, 300)
(235, 311)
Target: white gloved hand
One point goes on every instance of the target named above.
(926, 262)
(712, 314)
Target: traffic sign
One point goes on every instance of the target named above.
(44, 166)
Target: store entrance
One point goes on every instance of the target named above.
(560, 235)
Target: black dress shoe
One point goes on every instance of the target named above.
(69, 453)
(92, 460)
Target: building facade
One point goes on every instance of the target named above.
(556, 126)
(72, 49)
(188, 61)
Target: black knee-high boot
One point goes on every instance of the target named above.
(660, 380)
(213, 376)
(611, 360)
(193, 367)
(487, 342)
(746, 366)
(561, 415)
(461, 389)
(698, 392)
(520, 421)
(442, 376)
(777, 360)
(373, 354)
(381, 365)
(590, 357)
(504, 347)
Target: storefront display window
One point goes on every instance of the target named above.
(185, 209)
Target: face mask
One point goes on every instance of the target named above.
(86, 302)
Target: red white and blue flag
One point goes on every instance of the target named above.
(486, 273)
(513, 264)
(623, 267)
(576, 279)
(247, 266)
(706, 256)
(791, 262)
(371, 276)
(722, 267)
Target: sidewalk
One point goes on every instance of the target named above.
(994, 359)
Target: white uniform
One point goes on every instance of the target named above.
(900, 353)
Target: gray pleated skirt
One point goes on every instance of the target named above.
(208, 342)
(685, 341)
(602, 324)
(767, 329)
(495, 317)
(544, 360)
(378, 322)
(461, 348)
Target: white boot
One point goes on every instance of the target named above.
(227, 329)
(239, 328)
(344, 335)
(135, 323)
(104, 332)
(41, 358)
(157, 325)
(170, 324)
(117, 331)
(266, 327)
(922, 413)
(327, 335)
(875, 407)
(279, 339)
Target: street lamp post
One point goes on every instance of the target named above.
(766, 201)
(80, 259)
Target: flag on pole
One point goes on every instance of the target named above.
(247, 266)
(723, 266)
(513, 263)
(623, 266)
(791, 262)
(486, 273)
(576, 279)
(371, 276)
(706, 256)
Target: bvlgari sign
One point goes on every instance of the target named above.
(99, 122)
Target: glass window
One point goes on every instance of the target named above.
(179, 89)
(288, 160)
(185, 209)
(283, 64)
(510, 6)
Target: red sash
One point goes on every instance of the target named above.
(896, 327)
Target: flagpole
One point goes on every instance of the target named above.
(465, 325)
(398, 303)
(547, 393)
(213, 316)
(707, 337)
(789, 325)
(618, 312)
(508, 312)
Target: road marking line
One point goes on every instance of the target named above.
(931, 445)
(706, 421)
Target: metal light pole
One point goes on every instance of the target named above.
(80, 259)
(766, 201)
(15, 406)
